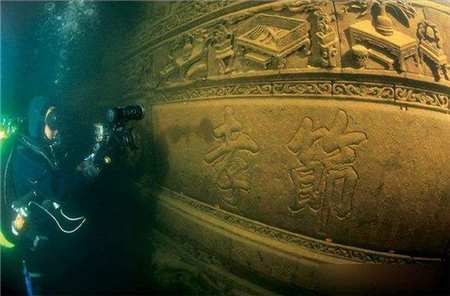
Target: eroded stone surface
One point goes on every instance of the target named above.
(327, 120)
(324, 169)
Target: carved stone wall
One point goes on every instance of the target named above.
(283, 135)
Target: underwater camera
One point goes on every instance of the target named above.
(115, 134)
(118, 114)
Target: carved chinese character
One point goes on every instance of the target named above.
(228, 160)
(326, 178)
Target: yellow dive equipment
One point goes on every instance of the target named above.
(4, 242)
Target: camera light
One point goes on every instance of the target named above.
(107, 159)
(19, 222)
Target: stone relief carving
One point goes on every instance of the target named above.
(398, 94)
(299, 6)
(328, 41)
(187, 58)
(258, 37)
(227, 159)
(364, 90)
(326, 178)
(325, 32)
(381, 41)
(361, 56)
(239, 90)
(146, 76)
(220, 44)
(303, 88)
(296, 6)
(402, 10)
(204, 52)
(222, 52)
(422, 97)
(265, 37)
(431, 47)
(173, 15)
(262, 40)
(215, 50)
(389, 49)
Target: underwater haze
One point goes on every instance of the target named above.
(56, 49)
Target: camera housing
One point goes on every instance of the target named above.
(118, 114)
(115, 135)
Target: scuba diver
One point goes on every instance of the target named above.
(37, 185)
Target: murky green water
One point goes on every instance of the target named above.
(57, 49)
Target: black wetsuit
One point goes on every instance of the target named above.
(34, 176)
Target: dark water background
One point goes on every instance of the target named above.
(57, 49)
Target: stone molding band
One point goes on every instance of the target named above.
(396, 94)
(315, 245)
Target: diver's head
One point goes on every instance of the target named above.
(37, 114)
(51, 131)
(47, 126)
(44, 120)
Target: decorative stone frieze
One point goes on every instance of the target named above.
(317, 129)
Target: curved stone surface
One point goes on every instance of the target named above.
(319, 129)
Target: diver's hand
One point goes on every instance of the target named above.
(88, 168)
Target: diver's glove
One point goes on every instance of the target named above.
(88, 168)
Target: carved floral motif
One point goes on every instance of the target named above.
(303, 88)
(238, 90)
(400, 94)
(422, 97)
(364, 90)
